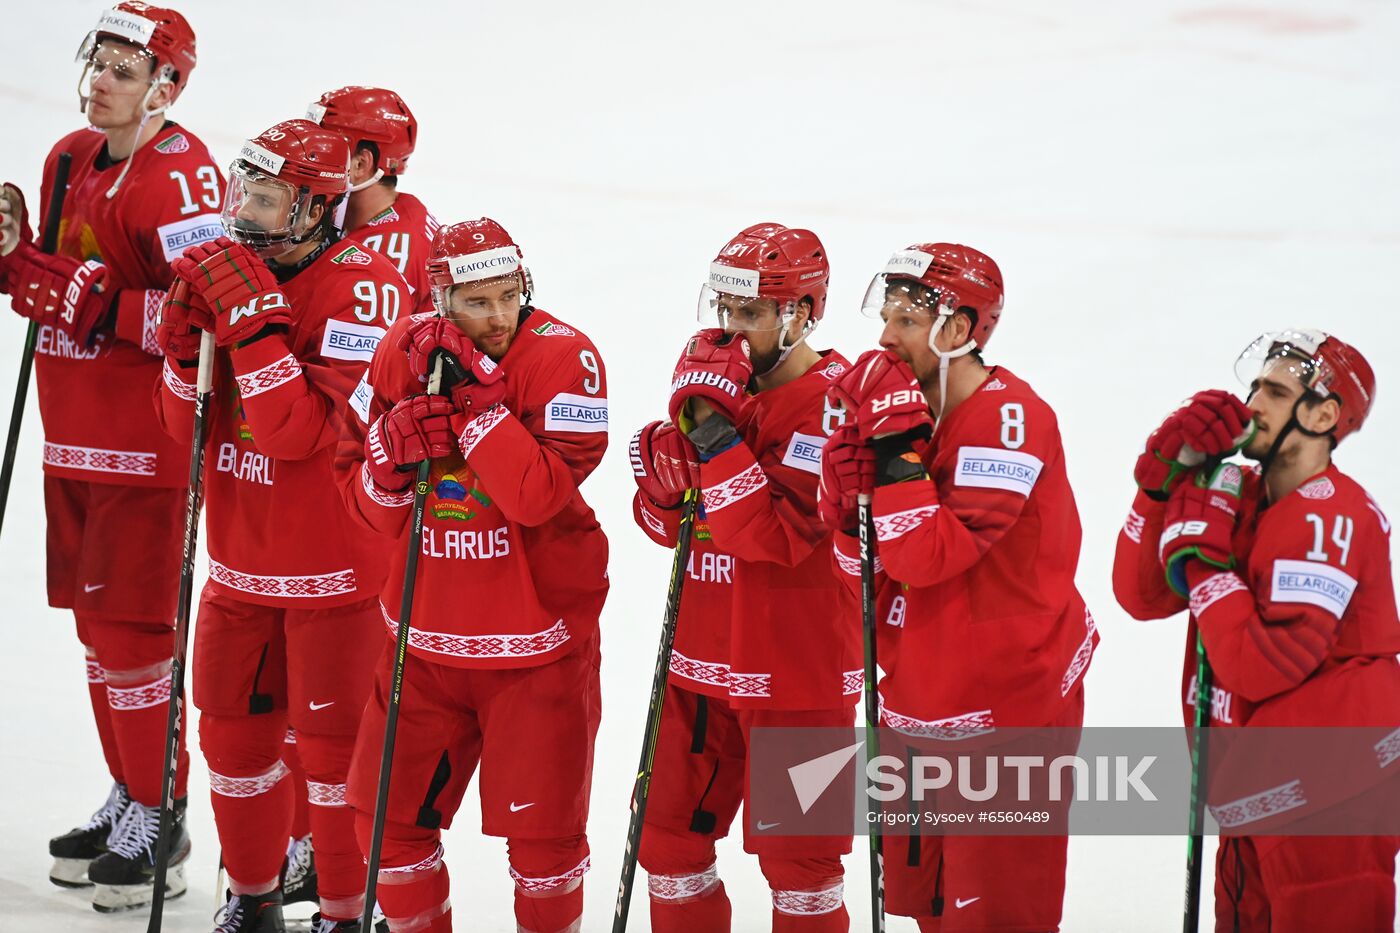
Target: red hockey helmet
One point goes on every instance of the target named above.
(370, 114)
(471, 253)
(957, 278)
(1324, 365)
(277, 180)
(160, 33)
(767, 260)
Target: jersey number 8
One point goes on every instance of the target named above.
(1013, 425)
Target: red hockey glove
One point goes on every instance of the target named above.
(237, 286)
(1211, 424)
(714, 367)
(416, 429)
(664, 463)
(428, 333)
(848, 469)
(183, 317)
(484, 386)
(14, 220)
(59, 290)
(882, 397)
(1199, 524)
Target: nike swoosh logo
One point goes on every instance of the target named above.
(516, 808)
(316, 706)
(92, 587)
(763, 826)
(960, 903)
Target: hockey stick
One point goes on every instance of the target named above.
(872, 703)
(49, 244)
(642, 788)
(391, 716)
(175, 722)
(1196, 844)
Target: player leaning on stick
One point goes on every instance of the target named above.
(502, 673)
(141, 190)
(766, 636)
(382, 132)
(288, 625)
(1285, 568)
(977, 542)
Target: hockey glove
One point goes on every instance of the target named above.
(59, 290)
(1210, 424)
(882, 397)
(664, 463)
(418, 428)
(1199, 523)
(714, 367)
(14, 220)
(848, 469)
(238, 288)
(183, 317)
(428, 333)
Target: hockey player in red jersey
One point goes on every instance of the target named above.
(382, 133)
(288, 626)
(750, 394)
(976, 530)
(140, 191)
(1285, 569)
(502, 673)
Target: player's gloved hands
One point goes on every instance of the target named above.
(714, 367)
(470, 378)
(183, 317)
(14, 219)
(1199, 524)
(428, 333)
(1210, 424)
(416, 429)
(882, 397)
(237, 286)
(848, 469)
(58, 290)
(664, 463)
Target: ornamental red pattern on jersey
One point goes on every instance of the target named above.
(1303, 631)
(794, 630)
(513, 565)
(96, 401)
(278, 531)
(403, 234)
(982, 626)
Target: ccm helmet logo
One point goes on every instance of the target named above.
(75, 289)
(268, 302)
(902, 397)
(713, 380)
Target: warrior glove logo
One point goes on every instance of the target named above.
(713, 380)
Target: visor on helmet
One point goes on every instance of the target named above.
(264, 213)
(479, 285)
(1289, 351)
(730, 300)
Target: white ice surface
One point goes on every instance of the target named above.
(1159, 181)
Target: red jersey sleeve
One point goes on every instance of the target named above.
(934, 529)
(376, 508)
(175, 395)
(762, 512)
(1269, 630)
(294, 387)
(1138, 581)
(534, 452)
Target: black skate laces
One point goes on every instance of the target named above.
(110, 813)
(135, 833)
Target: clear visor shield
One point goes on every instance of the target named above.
(740, 313)
(1286, 353)
(475, 301)
(264, 213)
(889, 295)
(118, 68)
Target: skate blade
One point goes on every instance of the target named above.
(70, 872)
(112, 898)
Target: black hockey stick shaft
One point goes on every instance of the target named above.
(1196, 843)
(872, 704)
(391, 715)
(642, 788)
(175, 721)
(48, 244)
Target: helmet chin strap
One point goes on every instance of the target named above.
(1293, 424)
(785, 349)
(146, 114)
(372, 180)
(944, 357)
